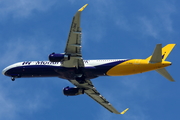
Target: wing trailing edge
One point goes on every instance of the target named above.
(73, 45)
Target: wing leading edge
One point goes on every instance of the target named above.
(73, 48)
(91, 91)
(73, 45)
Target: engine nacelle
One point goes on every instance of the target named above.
(72, 91)
(58, 57)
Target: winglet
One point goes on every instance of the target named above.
(124, 111)
(82, 8)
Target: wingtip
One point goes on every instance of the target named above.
(124, 111)
(82, 8)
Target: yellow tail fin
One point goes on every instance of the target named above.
(165, 52)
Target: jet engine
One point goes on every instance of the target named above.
(53, 57)
(72, 91)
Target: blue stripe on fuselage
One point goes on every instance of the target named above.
(102, 69)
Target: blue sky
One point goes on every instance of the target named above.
(32, 29)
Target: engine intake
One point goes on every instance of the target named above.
(72, 91)
(58, 57)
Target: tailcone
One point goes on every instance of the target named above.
(166, 63)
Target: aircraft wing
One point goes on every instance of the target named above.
(73, 48)
(94, 94)
(73, 45)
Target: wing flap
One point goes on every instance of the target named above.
(94, 94)
(73, 45)
(74, 38)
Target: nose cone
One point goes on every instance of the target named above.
(3, 71)
(6, 70)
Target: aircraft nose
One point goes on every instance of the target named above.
(5, 70)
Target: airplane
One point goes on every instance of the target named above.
(71, 66)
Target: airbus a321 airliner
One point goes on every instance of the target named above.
(71, 66)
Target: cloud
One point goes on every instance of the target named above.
(101, 18)
(164, 12)
(23, 8)
(7, 109)
(148, 27)
(23, 49)
(159, 21)
(154, 21)
(21, 98)
(12, 105)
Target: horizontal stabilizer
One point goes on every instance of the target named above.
(165, 73)
(157, 54)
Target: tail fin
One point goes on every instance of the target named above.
(167, 50)
(160, 54)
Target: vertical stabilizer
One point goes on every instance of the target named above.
(167, 50)
(160, 54)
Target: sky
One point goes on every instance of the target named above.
(30, 30)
